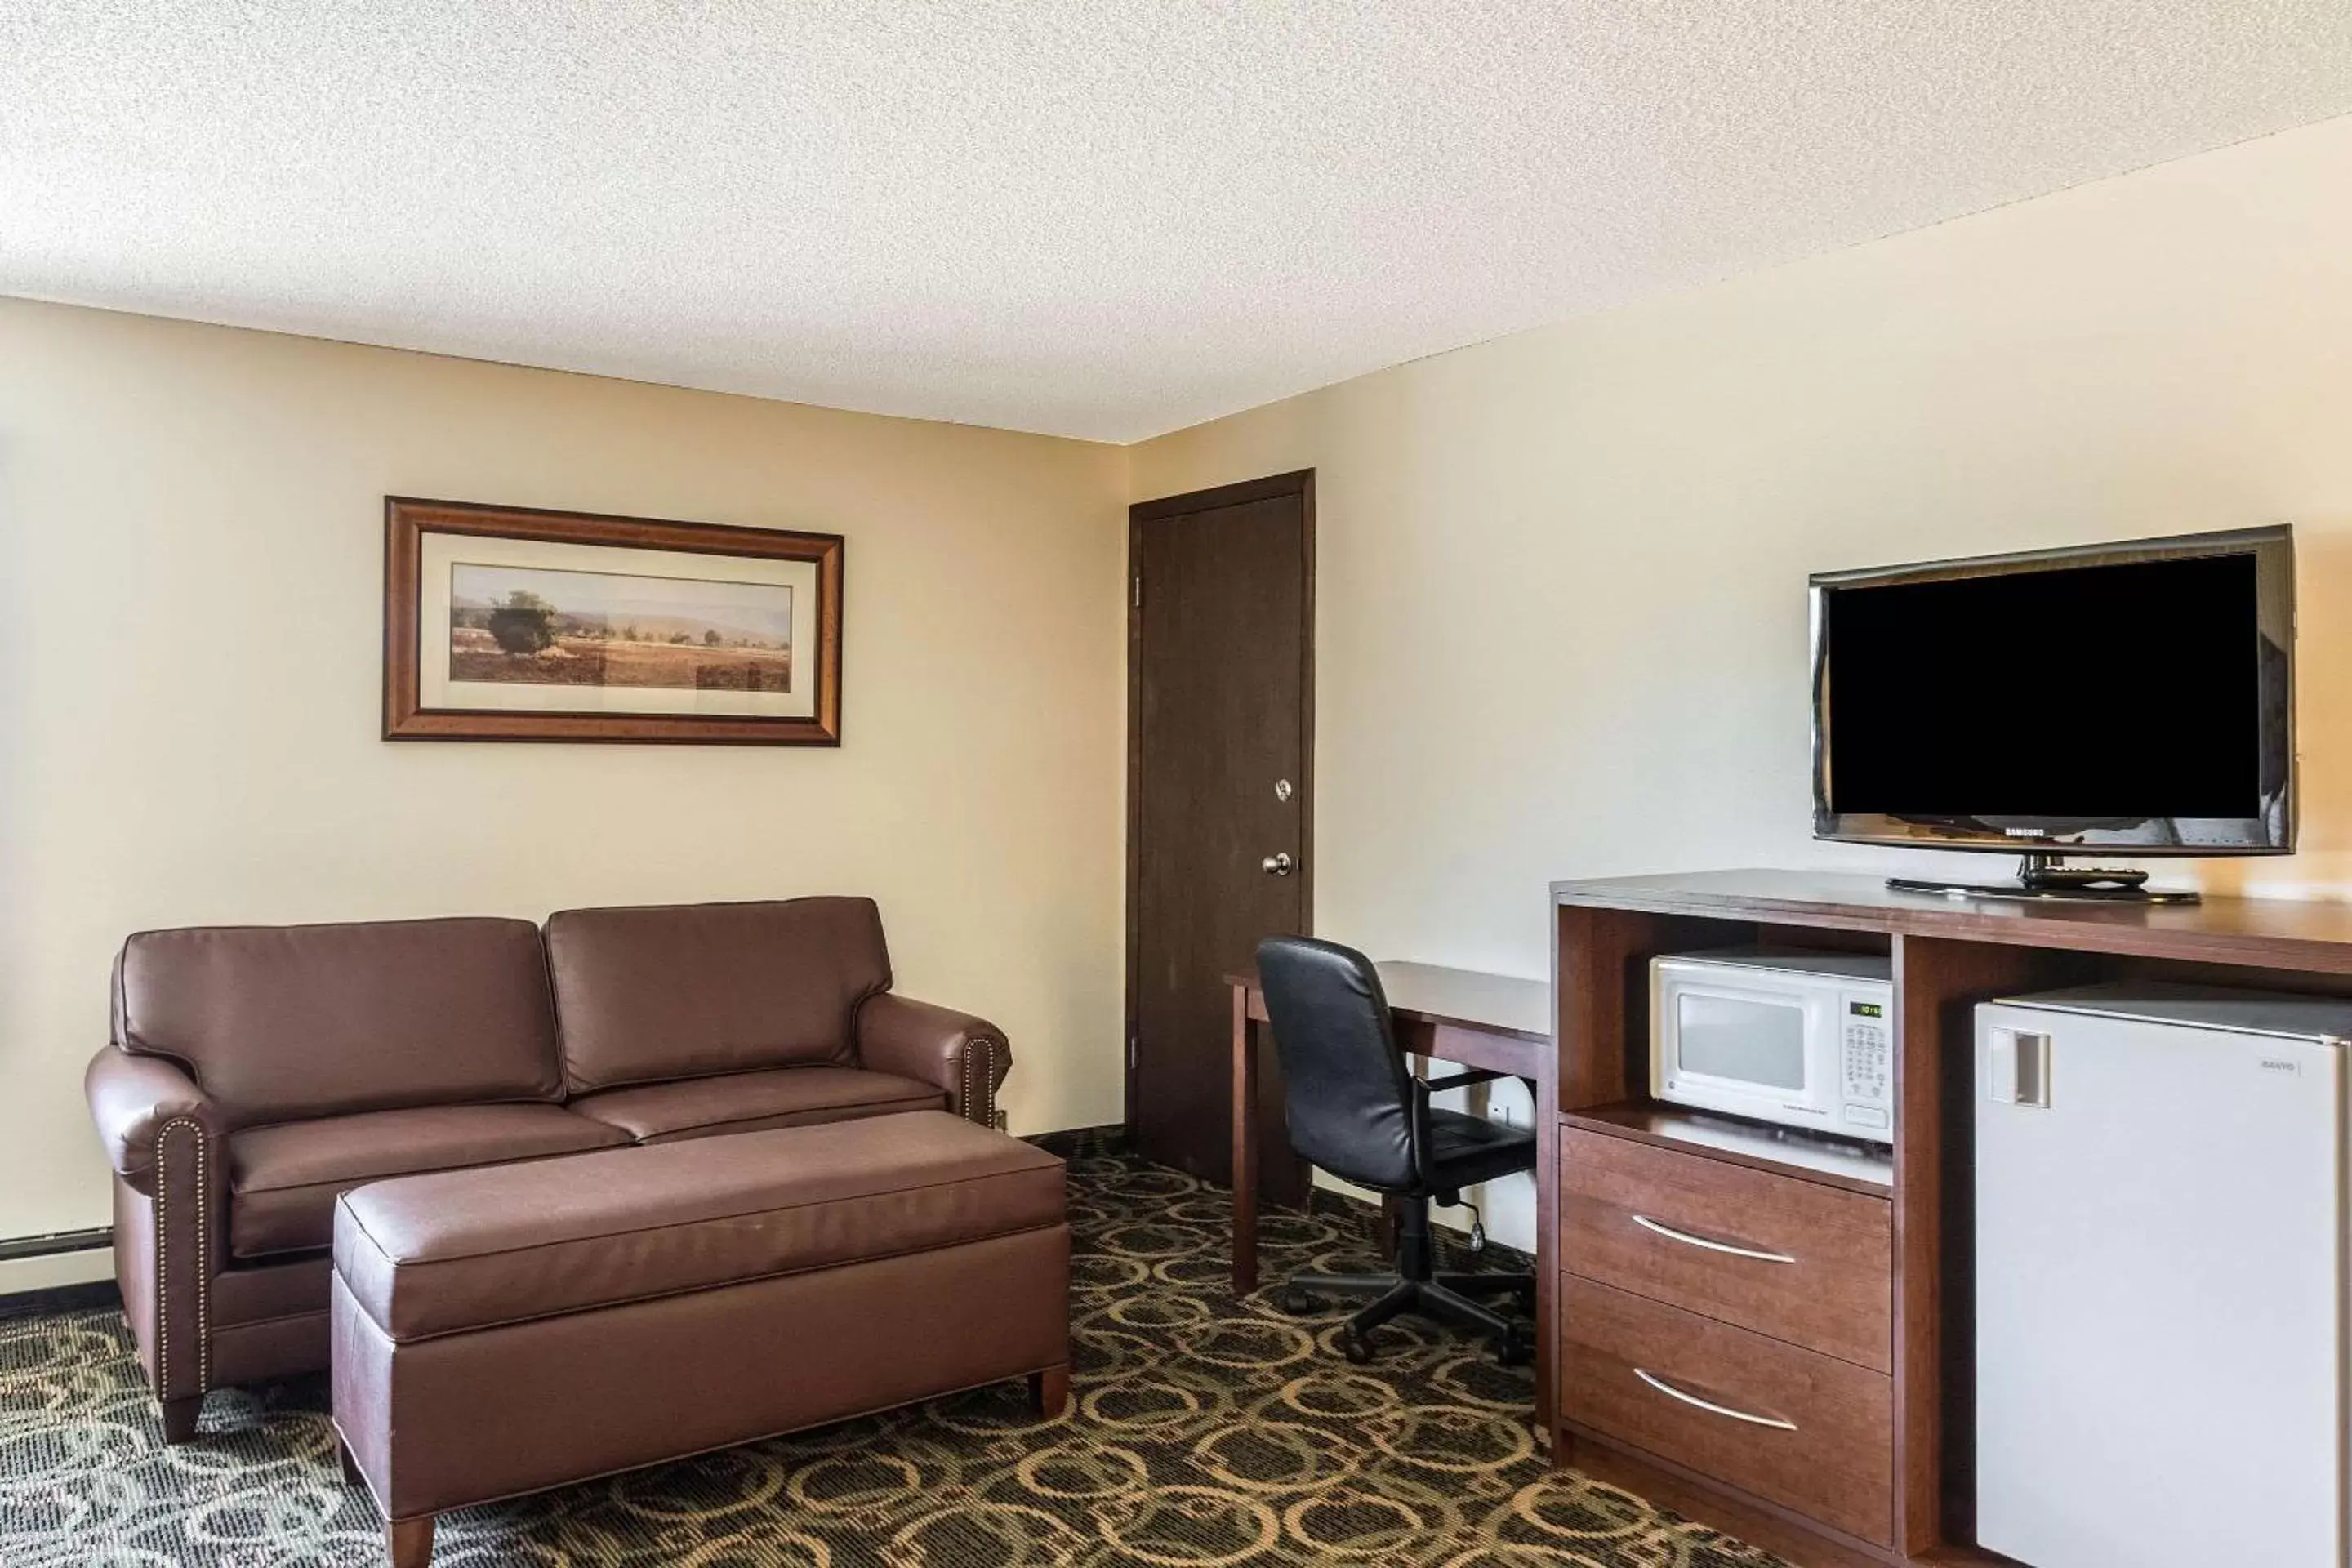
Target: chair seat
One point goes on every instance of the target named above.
(747, 1102)
(283, 1181)
(1464, 1151)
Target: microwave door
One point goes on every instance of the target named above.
(1736, 1050)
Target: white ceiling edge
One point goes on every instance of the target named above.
(1070, 217)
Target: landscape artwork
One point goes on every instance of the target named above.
(596, 628)
(514, 624)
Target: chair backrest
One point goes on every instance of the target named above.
(1346, 1086)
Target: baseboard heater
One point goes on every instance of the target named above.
(16, 1249)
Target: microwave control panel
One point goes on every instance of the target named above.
(1868, 1060)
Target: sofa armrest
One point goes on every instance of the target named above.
(965, 1055)
(134, 1098)
(163, 1137)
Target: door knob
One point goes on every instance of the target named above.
(1277, 864)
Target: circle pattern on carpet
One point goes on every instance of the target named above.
(1202, 1432)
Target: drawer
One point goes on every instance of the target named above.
(1795, 1259)
(1807, 1431)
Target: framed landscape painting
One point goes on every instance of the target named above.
(504, 624)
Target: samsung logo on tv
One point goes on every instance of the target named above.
(2027, 832)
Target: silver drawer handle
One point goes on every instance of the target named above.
(1671, 1392)
(1671, 1233)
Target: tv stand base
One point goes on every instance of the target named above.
(2042, 876)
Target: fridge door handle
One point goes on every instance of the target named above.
(1710, 1407)
(1687, 1239)
(2019, 1072)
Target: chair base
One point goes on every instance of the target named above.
(1448, 1298)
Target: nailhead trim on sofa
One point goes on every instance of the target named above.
(979, 1101)
(163, 1259)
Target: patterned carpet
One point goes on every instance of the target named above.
(1201, 1431)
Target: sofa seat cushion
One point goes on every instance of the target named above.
(283, 1181)
(460, 1250)
(747, 1101)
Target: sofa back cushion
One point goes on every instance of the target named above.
(685, 990)
(278, 1023)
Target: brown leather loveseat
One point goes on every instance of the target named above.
(258, 1072)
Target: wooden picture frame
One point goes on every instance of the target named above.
(515, 624)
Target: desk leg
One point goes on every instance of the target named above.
(1245, 1146)
(1546, 1092)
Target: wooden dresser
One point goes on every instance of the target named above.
(1779, 1323)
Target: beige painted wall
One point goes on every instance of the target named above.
(1561, 616)
(1561, 607)
(191, 539)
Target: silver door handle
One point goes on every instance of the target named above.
(1277, 864)
(1710, 1407)
(1687, 1239)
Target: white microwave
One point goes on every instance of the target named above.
(1803, 1039)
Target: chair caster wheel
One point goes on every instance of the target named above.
(1294, 1301)
(1513, 1351)
(1357, 1349)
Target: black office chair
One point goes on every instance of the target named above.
(1356, 1111)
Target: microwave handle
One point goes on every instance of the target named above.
(1671, 1233)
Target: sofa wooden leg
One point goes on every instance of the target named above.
(1049, 1391)
(409, 1541)
(180, 1418)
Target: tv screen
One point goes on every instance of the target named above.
(2133, 695)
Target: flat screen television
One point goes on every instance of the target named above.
(2134, 697)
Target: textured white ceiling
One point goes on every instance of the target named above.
(1097, 218)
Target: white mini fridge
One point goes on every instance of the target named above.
(2160, 1279)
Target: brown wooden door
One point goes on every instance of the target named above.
(1220, 690)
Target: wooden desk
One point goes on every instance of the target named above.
(1490, 1021)
(1910, 1468)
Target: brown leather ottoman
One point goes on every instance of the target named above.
(516, 1327)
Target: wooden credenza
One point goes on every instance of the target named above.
(1775, 1323)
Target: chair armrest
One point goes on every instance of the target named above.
(132, 1098)
(1460, 1079)
(965, 1055)
(1421, 1088)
